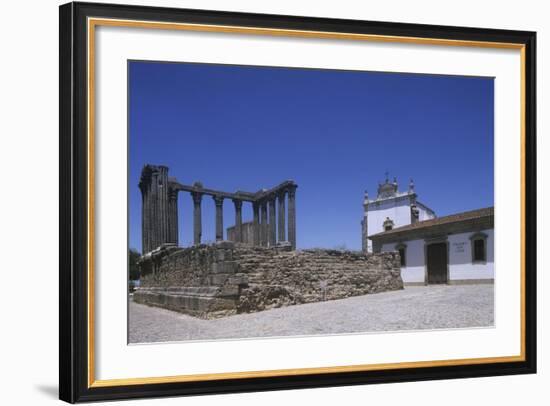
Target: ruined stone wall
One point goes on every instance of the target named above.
(226, 278)
(277, 278)
(191, 266)
(199, 280)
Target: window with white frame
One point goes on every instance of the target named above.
(479, 247)
(402, 249)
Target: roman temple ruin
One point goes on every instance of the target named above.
(160, 211)
(257, 267)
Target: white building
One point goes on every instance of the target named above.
(453, 249)
(391, 208)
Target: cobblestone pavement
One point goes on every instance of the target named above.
(427, 307)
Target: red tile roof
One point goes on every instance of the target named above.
(453, 218)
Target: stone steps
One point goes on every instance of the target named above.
(199, 301)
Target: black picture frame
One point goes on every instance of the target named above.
(74, 199)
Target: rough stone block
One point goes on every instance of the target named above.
(224, 244)
(217, 279)
(229, 290)
(224, 267)
(237, 280)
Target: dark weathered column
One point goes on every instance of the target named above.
(155, 207)
(263, 226)
(197, 217)
(173, 216)
(292, 216)
(238, 220)
(281, 214)
(272, 223)
(154, 210)
(144, 218)
(256, 222)
(218, 200)
(162, 199)
(144, 187)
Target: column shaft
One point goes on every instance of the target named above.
(173, 216)
(263, 226)
(197, 217)
(144, 220)
(163, 205)
(272, 223)
(218, 200)
(281, 214)
(256, 223)
(154, 220)
(292, 216)
(238, 220)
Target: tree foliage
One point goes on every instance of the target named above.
(133, 257)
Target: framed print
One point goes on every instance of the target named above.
(257, 202)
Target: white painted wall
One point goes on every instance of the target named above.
(423, 213)
(414, 270)
(460, 258)
(461, 267)
(399, 210)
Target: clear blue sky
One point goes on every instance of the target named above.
(334, 132)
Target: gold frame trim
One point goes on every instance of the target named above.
(94, 22)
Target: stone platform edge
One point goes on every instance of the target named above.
(225, 278)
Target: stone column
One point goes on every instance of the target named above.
(162, 202)
(281, 214)
(173, 216)
(238, 220)
(154, 220)
(197, 217)
(218, 200)
(155, 209)
(144, 185)
(292, 216)
(272, 223)
(256, 222)
(263, 227)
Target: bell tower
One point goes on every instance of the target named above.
(391, 209)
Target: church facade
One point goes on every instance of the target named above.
(391, 209)
(453, 249)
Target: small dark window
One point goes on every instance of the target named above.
(402, 249)
(402, 256)
(479, 250)
(388, 224)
